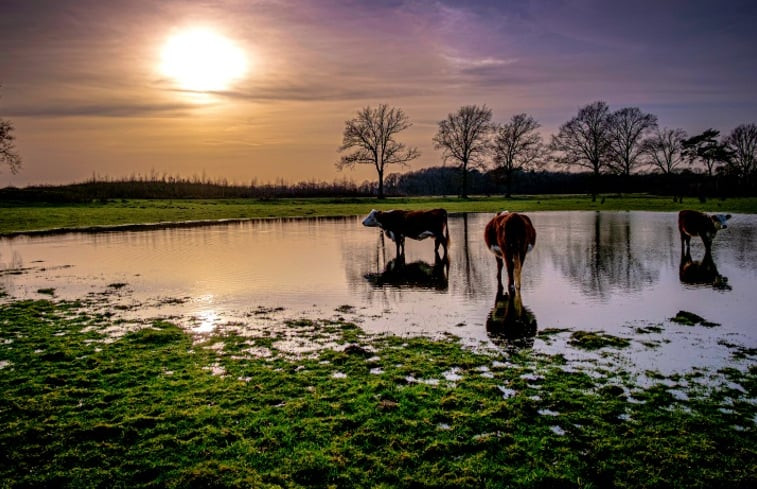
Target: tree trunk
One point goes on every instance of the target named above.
(381, 185)
(464, 189)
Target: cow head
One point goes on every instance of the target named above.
(719, 220)
(372, 219)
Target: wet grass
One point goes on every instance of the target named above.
(158, 408)
(17, 218)
(588, 340)
(690, 319)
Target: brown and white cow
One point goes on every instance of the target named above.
(399, 224)
(510, 236)
(695, 223)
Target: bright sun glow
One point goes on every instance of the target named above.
(203, 61)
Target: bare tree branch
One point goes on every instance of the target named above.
(371, 134)
(8, 154)
(742, 144)
(663, 149)
(628, 128)
(517, 146)
(463, 138)
(584, 141)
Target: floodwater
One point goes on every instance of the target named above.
(614, 272)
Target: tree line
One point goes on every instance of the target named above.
(600, 148)
(622, 143)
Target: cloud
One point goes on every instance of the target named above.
(99, 110)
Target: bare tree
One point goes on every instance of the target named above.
(463, 138)
(584, 141)
(8, 154)
(371, 134)
(628, 128)
(517, 146)
(664, 150)
(742, 145)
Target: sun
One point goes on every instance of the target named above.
(202, 60)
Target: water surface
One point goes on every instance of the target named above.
(600, 271)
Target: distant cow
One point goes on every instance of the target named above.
(695, 223)
(398, 224)
(510, 236)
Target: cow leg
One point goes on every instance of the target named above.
(499, 272)
(510, 274)
(518, 266)
(707, 243)
(439, 239)
(685, 243)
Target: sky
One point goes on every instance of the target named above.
(84, 81)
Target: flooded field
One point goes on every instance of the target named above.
(619, 273)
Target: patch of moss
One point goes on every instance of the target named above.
(690, 319)
(588, 340)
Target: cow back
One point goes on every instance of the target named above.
(513, 232)
(414, 223)
(695, 223)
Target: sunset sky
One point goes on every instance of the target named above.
(88, 87)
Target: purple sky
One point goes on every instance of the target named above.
(82, 84)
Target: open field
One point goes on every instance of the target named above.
(19, 218)
(153, 406)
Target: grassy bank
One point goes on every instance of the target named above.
(154, 408)
(15, 218)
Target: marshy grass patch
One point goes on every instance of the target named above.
(160, 407)
(687, 318)
(589, 340)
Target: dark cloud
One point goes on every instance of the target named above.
(99, 110)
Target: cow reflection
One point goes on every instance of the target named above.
(418, 274)
(510, 323)
(701, 272)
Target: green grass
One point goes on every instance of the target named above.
(15, 217)
(147, 410)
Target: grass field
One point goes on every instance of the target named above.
(16, 218)
(158, 408)
(81, 406)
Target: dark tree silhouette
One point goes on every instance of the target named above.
(584, 141)
(371, 134)
(8, 154)
(664, 149)
(628, 128)
(463, 138)
(706, 148)
(742, 145)
(517, 146)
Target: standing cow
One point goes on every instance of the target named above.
(695, 223)
(398, 224)
(510, 236)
